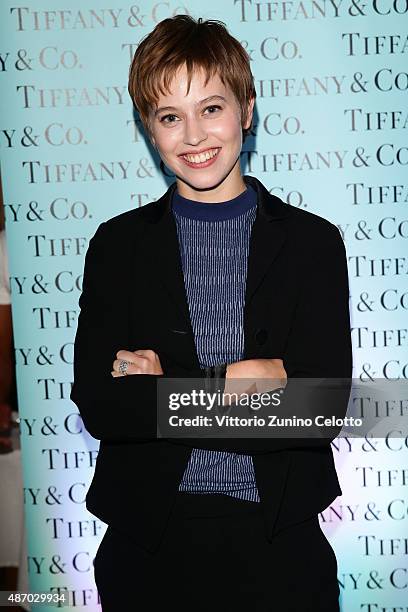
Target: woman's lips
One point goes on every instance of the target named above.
(204, 164)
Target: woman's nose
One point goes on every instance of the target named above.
(194, 132)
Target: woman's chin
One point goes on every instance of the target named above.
(204, 181)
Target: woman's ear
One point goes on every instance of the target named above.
(250, 112)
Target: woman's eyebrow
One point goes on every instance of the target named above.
(162, 108)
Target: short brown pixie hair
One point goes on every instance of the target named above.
(198, 44)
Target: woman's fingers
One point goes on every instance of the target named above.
(135, 360)
(236, 388)
(142, 361)
(133, 367)
(276, 376)
(129, 355)
(148, 353)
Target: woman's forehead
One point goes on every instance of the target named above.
(178, 85)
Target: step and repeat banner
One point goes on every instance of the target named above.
(330, 136)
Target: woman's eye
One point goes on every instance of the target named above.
(213, 106)
(162, 119)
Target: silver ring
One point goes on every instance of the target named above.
(123, 366)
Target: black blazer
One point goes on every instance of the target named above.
(133, 297)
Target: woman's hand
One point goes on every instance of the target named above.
(262, 374)
(143, 361)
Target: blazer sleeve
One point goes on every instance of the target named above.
(112, 408)
(318, 347)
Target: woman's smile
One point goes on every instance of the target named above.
(202, 160)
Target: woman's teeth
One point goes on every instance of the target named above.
(197, 159)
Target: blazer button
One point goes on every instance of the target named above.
(261, 336)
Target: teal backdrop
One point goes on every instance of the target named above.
(330, 136)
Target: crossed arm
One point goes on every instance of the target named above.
(147, 361)
(117, 407)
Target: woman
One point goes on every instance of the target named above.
(217, 278)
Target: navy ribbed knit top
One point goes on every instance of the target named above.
(214, 246)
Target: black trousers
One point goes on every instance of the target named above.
(215, 557)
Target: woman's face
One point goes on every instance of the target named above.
(206, 120)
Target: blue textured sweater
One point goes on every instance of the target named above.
(214, 246)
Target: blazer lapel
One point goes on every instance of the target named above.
(165, 262)
(267, 236)
(266, 241)
(161, 252)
